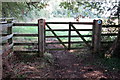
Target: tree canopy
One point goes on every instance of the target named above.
(21, 9)
(90, 9)
(74, 8)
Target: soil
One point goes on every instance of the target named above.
(66, 64)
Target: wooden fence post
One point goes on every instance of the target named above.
(96, 38)
(41, 37)
(9, 31)
(69, 36)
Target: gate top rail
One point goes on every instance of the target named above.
(87, 23)
(6, 20)
(25, 24)
(35, 24)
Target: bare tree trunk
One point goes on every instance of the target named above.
(116, 51)
(115, 48)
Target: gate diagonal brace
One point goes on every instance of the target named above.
(56, 36)
(81, 36)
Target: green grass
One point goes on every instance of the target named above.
(34, 30)
(25, 30)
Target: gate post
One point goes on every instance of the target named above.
(96, 38)
(69, 37)
(41, 37)
(9, 31)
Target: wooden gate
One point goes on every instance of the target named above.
(94, 43)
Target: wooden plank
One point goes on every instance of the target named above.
(117, 26)
(71, 30)
(5, 26)
(18, 35)
(34, 24)
(8, 47)
(85, 23)
(15, 35)
(3, 22)
(4, 19)
(81, 36)
(25, 51)
(110, 34)
(64, 48)
(7, 20)
(56, 36)
(69, 37)
(21, 44)
(25, 24)
(56, 49)
(70, 42)
(36, 35)
(46, 49)
(6, 37)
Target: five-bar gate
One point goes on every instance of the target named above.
(44, 27)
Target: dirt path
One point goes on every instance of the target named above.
(67, 64)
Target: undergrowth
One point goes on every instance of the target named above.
(112, 63)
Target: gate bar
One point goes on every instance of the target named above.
(69, 36)
(56, 36)
(81, 36)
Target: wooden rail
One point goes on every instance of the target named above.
(8, 47)
(22, 44)
(25, 24)
(6, 37)
(85, 23)
(6, 19)
(117, 26)
(33, 24)
(25, 52)
(23, 35)
(5, 26)
(35, 35)
(71, 30)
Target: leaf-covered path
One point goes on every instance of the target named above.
(73, 65)
(66, 64)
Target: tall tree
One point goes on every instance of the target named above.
(115, 48)
(20, 9)
(91, 9)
